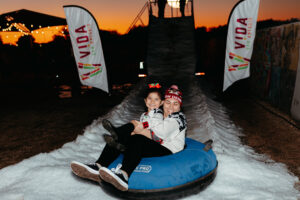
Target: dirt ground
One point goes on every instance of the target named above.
(268, 131)
(34, 125)
(29, 127)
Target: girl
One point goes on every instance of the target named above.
(150, 119)
(119, 136)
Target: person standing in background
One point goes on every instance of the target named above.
(182, 6)
(161, 8)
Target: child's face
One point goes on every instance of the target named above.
(153, 100)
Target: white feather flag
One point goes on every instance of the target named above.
(240, 39)
(87, 47)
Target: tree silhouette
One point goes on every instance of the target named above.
(25, 42)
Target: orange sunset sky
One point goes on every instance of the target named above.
(119, 14)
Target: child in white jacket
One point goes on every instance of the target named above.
(150, 119)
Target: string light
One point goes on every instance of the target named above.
(46, 31)
(17, 27)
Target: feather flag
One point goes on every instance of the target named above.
(87, 47)
(240, 39)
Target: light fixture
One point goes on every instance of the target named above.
(141, 65)
(199, 73)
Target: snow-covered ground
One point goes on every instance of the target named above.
(242, 173)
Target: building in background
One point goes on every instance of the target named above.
(42, 27)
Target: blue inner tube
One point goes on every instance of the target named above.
(191, 167)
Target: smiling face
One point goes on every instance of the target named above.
(153, 101)
(170, 106)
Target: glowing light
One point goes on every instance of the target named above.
(10, 37)
(142, 75)
(43, 35)
(175, 3)
(141, 65)
(199, 73)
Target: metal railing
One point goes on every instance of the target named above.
(165, 9)
(171, 8)
(138, 17)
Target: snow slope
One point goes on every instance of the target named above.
(242, 173)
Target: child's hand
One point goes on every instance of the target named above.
(135, 123)
(138, 128)
(144, 132)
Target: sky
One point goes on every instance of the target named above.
(119, 14)
(241, 173)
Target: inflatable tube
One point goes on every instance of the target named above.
(168, 177)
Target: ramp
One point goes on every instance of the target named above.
(171, 47)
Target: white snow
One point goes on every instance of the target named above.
(242, 173)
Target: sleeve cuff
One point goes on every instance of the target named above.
(155, 138)
(145, 124)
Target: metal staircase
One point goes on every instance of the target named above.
(171, 40)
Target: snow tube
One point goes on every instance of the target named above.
(167, 177)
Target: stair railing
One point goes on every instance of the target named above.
(138, 17)
(172, 9)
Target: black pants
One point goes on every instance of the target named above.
(137, 147)
(124, 133)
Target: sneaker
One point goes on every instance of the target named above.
(208, 145)
(110, 128)
(116, 177)
(113, 143)
(87, 171)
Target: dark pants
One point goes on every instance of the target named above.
(182, 5)
(124, 133)
(161, 8)
(138, 146)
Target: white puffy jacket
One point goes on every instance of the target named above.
(171, 131)
(152, 118)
